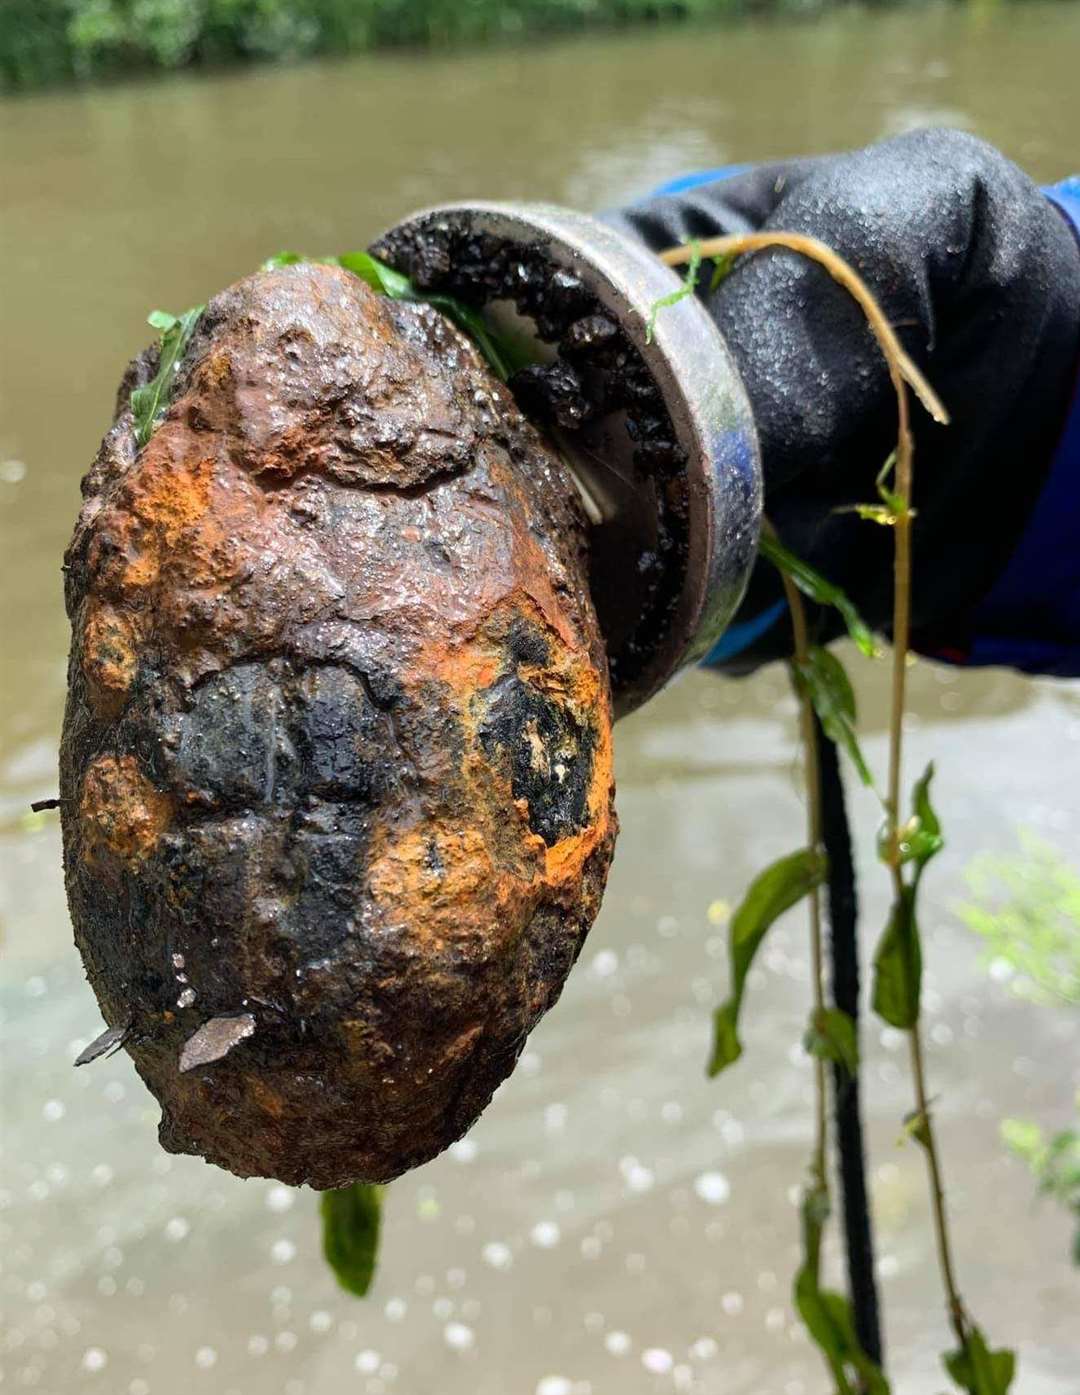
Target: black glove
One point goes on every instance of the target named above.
(979, 274)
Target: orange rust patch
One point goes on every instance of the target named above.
(166, 500)
(465, 667)
(121, 814)
(109, 659)
(580, 687)
(443, 883)
(472, 659)
(469, 665)
(269, 1101)
(564, 862)
(215, 370)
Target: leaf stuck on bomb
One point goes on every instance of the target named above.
(149, 402)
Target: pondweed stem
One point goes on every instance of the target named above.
(901, 640)
(801, 647)
(901, 368)
(903, 373)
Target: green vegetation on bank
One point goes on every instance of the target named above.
(47, 41)
(1026, 909)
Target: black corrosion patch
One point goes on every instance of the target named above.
(280, 772)
(272, 734)
(549, 754)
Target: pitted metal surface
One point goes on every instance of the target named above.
(336, 766)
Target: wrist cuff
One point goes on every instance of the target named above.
(1030, 619)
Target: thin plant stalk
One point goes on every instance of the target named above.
(901, 368)
(903, 373)
(901, 640)
(808, 730)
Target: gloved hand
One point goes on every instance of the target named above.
(980, 275)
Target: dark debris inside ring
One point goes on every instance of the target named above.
(598, 371)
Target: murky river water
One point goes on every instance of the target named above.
(615, 1222)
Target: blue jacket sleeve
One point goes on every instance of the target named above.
(1030, 618)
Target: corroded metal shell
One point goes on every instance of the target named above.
(336, 765)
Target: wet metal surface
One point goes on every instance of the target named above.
(615, 1224)
(336, 760)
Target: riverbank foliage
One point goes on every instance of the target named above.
(48, 41)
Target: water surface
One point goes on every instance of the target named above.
(615, 1223)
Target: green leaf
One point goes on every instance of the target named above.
(874, 513)
(828, 1316)
(770, 894)
(831, 1035)
(814, 585)
(386, 281)
(823, 677)
(827, 1324)
(831, 1324)
(1053, 1162)
(925, 839)
(921, 838)
(1027, 911)
(282, 259)
(687, 288)
(893, 502)
(892, 507)
(898, 966)
(471, 323)
(977, 1369)
(1026, 1140)
(378, 275)
(722, 268)
(917, 1127)
(350, 1218)
(148, 403)
(1060, 1169)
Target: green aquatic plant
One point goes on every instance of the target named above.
(148, 403)
(771, 893)
(1026, 910)
(831, 1034)
(905, 846)
(352, 1219)
(815, 586)
(1053, 1161)
(502, 357)
(820, 676)
(898, 960)
(827, 1315)
(688, 287)
(722, 266)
